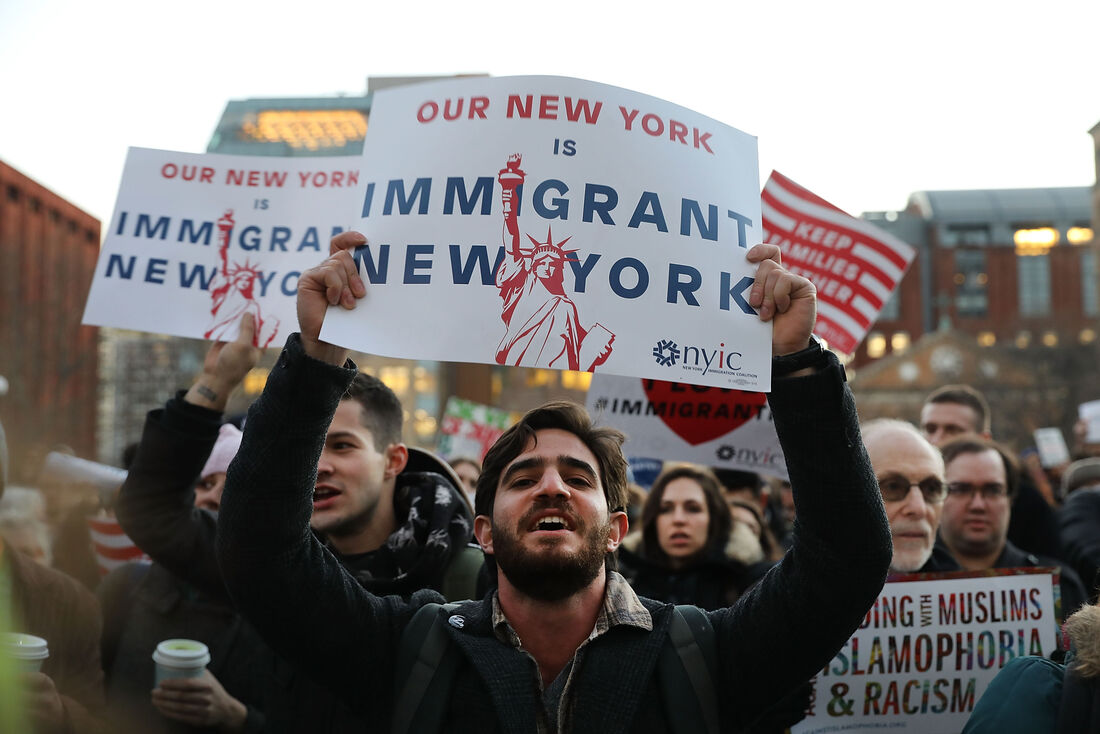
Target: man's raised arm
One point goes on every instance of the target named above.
(155, 505)
(806, 607)
(281, 578)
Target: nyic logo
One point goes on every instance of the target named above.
(668, 353)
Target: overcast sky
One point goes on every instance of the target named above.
(862, 102)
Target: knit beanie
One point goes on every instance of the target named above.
(225, 448)
(1081, 473)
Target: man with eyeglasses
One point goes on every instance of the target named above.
(910, 477)
(982, 479)
(952, 411)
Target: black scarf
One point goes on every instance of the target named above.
(435, 523)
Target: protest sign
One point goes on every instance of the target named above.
(557, 223)
(470, 429)
(198, 240)
(1051, 445)
(855, 265)
(717, 427)
(929, 647)
(1090, 413)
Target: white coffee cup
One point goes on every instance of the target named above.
(179, 658)
(28, 651)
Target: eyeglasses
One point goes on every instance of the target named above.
(967, 490)
(895, 488)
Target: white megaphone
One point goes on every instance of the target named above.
(62, 468)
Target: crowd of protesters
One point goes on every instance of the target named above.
(300, 551)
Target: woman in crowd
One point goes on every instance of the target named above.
(683, 553)
(759, 543)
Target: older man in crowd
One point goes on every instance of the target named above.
(910, 476)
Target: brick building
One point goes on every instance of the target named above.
(48, 251)
(1010, 273)
(1009, 267)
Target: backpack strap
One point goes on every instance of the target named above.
(687, 666)
(426, 665)
(460, 578)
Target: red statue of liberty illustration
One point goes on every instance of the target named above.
(232, 294)
(542, 325)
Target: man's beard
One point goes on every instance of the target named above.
(550, 576)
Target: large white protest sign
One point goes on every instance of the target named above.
(855, 265)
(553, 222)
(713, 426)
(198, 240)
(928, 649)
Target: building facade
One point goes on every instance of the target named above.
(48, 251)
(1012, 272)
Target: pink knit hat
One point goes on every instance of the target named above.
(225, 448)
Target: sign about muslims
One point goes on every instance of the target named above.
(557, 223)
(198, 240)
(470, 429)
(712, 426)
(929, 647)
(855, 265)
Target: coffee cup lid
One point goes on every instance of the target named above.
(24, 646)
(182, 652)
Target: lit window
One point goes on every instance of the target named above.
(987, 339)
(876, 345)
(899, 342)
(312, 129)
(255, 380)
(424, 426)
(539, 378)
(396, 378)
(576, 380)
(1035, 241)
(1079, 235)
(423, 381)
(1050, 339)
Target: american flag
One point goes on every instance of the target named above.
(112, 546)
(855, 265)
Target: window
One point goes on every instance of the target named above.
(967, 234)
(1089, 302)
(876, 345)
(971, 281)
(891, 310)
(1033, 274)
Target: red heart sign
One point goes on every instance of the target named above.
(697, 413)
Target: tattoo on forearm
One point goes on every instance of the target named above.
(206, 392)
